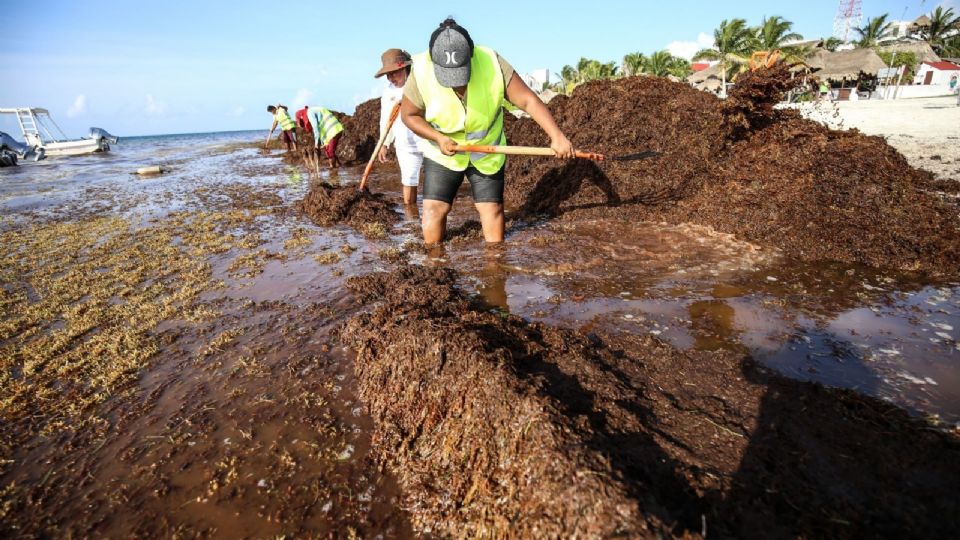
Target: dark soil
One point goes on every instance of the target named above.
(765, 175)
(329, 205)
(497, 426)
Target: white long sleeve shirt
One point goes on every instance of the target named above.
(400, 134)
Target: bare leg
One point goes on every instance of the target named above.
(435, 220)
(409, 195)
(491, 219)
(411, 211)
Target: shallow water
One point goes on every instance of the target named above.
(886, 335)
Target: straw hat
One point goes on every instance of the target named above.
(393, 59)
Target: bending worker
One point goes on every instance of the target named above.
(287, 126)
(396, 66)
(454, 95)
(326, 131)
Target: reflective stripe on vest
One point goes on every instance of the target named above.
(283, 119)
(326, 125)
(480, 122)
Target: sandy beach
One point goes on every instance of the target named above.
(925, 130)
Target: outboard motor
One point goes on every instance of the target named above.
(11, 149)
(99, 133)
(7, 158)
(9, 143)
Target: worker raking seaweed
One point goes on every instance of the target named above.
(396, 66)
(325, 128)
(287, 126)
(455, 95)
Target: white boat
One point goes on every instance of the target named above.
(40, 131)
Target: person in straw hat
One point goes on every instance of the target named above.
(455, 94)
(396, 66)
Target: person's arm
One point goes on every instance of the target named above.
(520, 95)
(386, 106)
(412, 117)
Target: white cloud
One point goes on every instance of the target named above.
(686, 49)
(302, 98)
(375, 91)
(79, 106)
(154, 106)
(237, 111)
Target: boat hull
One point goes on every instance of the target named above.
(76, 148)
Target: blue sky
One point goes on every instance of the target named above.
(140, 67)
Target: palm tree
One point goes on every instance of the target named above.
(679, 67)
(943, 22)
(832, 43)
(874, 31)
(633, 64)
(586, 70)
(951, 46)
(731, 47)
(591, 70)
(658, 63)
(775, 33)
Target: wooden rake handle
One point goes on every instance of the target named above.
(376, 151)
(523, 151)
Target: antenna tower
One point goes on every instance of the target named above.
(849, 15)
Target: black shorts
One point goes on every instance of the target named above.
(441, 183)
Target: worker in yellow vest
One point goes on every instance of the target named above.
(287, 126)
(447, 78)
(327, 131)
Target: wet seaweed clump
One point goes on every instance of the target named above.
(741, 166)
(328, 205)
(477, 446)
(360, 133)
(496, 426)
(750, 103)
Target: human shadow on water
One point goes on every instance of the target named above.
(608, 408)
(811, 461)
(562, 183)
(833, 463)
(823, 462)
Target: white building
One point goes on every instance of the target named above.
(938, 74)
(537, 79)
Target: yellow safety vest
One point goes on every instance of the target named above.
(480, 122)
(283, 119)
(326, 124)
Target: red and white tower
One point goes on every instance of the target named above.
(849, 15)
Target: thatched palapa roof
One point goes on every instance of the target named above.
(707, 79)
(921, 49)
(844, 64)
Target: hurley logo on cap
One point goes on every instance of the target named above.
(451, 50)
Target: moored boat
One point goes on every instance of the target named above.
(40, 131)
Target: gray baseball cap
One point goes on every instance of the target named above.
(451, 50)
